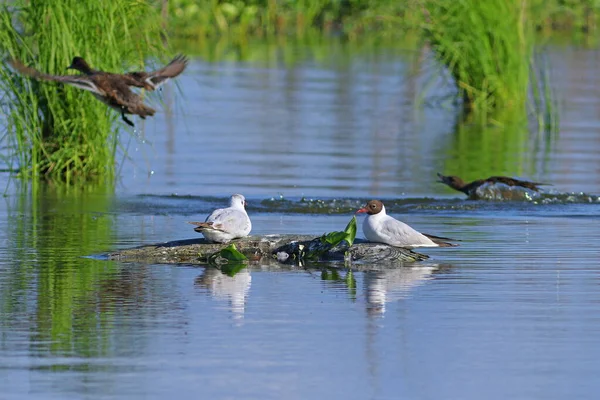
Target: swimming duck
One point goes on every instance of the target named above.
(470, 189)
(225, 224)
(112, 89)
(382, 228)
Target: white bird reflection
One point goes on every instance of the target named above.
(233, 289)
(390, 285)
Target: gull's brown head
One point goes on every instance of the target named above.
(373, 207)
(80, 65)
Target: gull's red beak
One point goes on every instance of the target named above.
(361, 210)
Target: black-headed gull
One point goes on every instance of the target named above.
(470, 189)
(381, 228)
(225, 224)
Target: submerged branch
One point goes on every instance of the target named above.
(285, 248)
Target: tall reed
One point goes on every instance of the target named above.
(486, 46)
(56, 131)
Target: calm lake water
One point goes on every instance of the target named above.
(513, 313)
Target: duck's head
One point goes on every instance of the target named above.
(80, 65)
(451, 180)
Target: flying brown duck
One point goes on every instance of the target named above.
(112, 89)
(470, 188)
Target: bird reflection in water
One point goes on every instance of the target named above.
(233, 289)
(391, 285)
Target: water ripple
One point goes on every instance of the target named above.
(555, 204)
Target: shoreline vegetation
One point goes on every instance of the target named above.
(355, 18)
(54, 132)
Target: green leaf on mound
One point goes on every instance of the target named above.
(231, 253)
(348, 235)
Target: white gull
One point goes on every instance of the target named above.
(381, 228)
(225, 224)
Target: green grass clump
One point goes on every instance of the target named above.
(60, 132)
(486, 46)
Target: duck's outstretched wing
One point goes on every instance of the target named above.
(152, 80)
(80, 82)
(516, 182)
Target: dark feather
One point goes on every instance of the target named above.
(441, 241)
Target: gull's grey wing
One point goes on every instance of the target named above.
(229, 220)
(402, 234)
